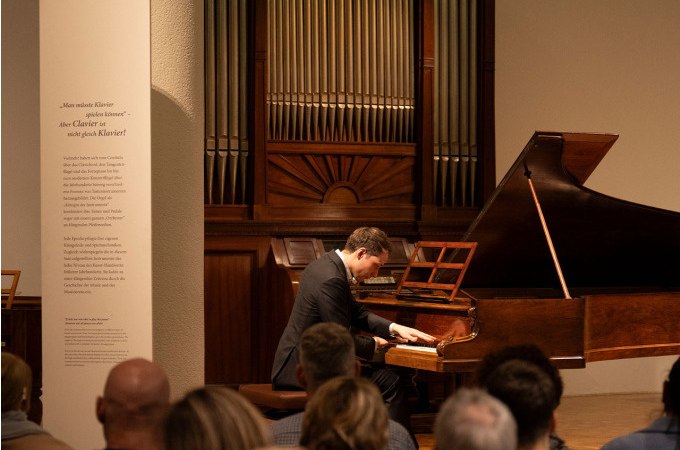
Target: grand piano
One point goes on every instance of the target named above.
(618, 295)
(619, 261)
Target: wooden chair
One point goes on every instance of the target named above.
(8, 293)
(274, 404)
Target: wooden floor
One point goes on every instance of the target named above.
(587, 422)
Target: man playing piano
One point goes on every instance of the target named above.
(325, 295)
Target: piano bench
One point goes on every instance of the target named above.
(274, 404)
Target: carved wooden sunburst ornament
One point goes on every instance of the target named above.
(340, 179)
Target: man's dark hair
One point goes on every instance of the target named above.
(373, 239)
(326, 350)
(524, 352)
(529, 393)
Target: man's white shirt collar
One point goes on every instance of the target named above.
(344, 263)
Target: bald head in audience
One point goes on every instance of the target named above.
(133, 406)
(472, 419)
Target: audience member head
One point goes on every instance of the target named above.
(345, 413)
(325, 351)
(671, 390)
(472, 419)
(373, 239)
(135, 400)
(16, 383)
(531, 396)
(215, 418)
(525, 352)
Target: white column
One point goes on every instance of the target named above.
(177, 120)
(95, 156)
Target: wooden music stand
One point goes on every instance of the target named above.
(446, 270)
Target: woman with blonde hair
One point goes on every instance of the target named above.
(345, 413)
(215, 418)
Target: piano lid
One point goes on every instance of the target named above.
(601, 242)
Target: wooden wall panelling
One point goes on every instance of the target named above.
(228, 290)
(22, 336)
(234, 313)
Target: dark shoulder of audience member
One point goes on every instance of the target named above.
(531, 396)
(664, 432)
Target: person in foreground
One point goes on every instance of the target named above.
(531, 397)
(346, 413)
(215, 418)
(664, 432)
(132, 408)
(471, 419)
(325, 295)
(533, 354)
(19, 433)
(326, 351)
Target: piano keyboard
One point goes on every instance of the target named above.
(379, 355)
(430, 347)
(418, 348)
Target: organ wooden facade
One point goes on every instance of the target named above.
(263, 184)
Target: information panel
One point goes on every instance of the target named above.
(96, 203)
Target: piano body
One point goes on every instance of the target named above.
(620, 260)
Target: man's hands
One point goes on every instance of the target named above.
(379, 342)
(403, 334)
(407, 334)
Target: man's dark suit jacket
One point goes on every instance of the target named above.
(324, 295)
